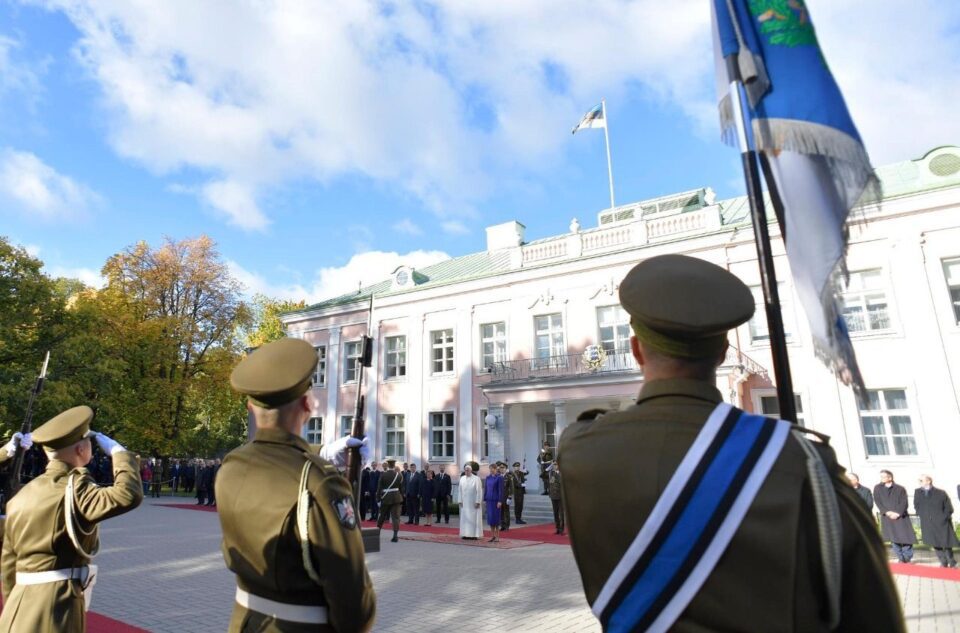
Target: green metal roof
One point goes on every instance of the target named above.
(937, 169)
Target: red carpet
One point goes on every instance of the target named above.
(925, 571)
(454, 539)
(543, 533)
(97, 623)
(186, 506)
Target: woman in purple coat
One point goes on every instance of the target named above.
(495, 494)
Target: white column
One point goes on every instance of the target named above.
(330, 422)
(560, 415)
(417, 368)
(497, 436)
(464, 363)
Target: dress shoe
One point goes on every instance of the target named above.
(521, 522)
(394, 539)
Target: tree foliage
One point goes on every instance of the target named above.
(151, 351)
(267, 324)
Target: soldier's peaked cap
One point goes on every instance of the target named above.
(391, 463)
(276, 373)
(65, 429)
(515, 464)
(684, 306)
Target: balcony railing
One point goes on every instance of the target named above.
(578, 364)
(562, 366)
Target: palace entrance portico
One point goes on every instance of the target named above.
(531, 406)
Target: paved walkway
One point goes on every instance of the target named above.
(529, 589)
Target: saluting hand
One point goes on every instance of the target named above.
(107, 444)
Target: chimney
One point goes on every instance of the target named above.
(506, 235)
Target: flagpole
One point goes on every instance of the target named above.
(606, 135)
(761, 234)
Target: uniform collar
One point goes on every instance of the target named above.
(281, 436)
(57, 467)
(688, 387)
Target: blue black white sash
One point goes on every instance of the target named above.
(692, 523)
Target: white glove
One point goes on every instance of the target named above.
(107, 444)
(26, 440)
(336, 451)
(11, 446)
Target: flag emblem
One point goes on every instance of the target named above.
(345, 513)
(592, 119)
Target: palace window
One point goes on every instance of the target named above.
(613, 327)
(346, 425)
(396, 357)
(442, 435)
(493, 344)
(351, 365)
(865, 306)
(549, 345)
(759, 330)
(394, 439)
(887, 424)
(951, 269)
(770, 407)
(313, 431)
(442, 341)
(320, 373)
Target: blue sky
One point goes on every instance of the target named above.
(323, 143)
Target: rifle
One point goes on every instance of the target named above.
(13, 480)
(371, 536)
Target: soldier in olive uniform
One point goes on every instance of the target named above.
(52, 534)
(519, 490)
(510, 486)
(290, 533)
(769, 576)
(545, 458)
(391, 491)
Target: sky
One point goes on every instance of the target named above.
(322, 144)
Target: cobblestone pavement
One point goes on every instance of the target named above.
(161, 569)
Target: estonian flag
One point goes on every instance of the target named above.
(797, 118)
(592, 119)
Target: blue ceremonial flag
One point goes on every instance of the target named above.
(592, 119)
(797, 117)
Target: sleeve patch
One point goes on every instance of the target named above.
(345, 513)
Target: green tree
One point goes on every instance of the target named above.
(174, 313)
(266, 319)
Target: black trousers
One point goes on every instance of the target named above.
(413, 509)
(443, 506)
(373, 506)
(201, 496)
(557, 513)
(945, 554)
(518, 505)
(394, 511)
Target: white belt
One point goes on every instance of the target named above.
(386, 490)
(86, 574)
(281, 610)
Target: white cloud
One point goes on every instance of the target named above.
(38, 189)
(363, 268)
(236, 200)
(445, 101)
(407, 227)
(88, 276)
(16, 76)
(32, 250)
(451, 100)
(454, 227)
(898, 70)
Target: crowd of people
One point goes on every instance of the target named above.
(427, 494)
(931, 505)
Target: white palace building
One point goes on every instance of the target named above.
(503, 333)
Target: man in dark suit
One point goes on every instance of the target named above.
(936, 520)
(895, 525)
(413, 496)
(444, 492)
(201, 485)
(372, 484)
(364, 492)
(175, 475)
